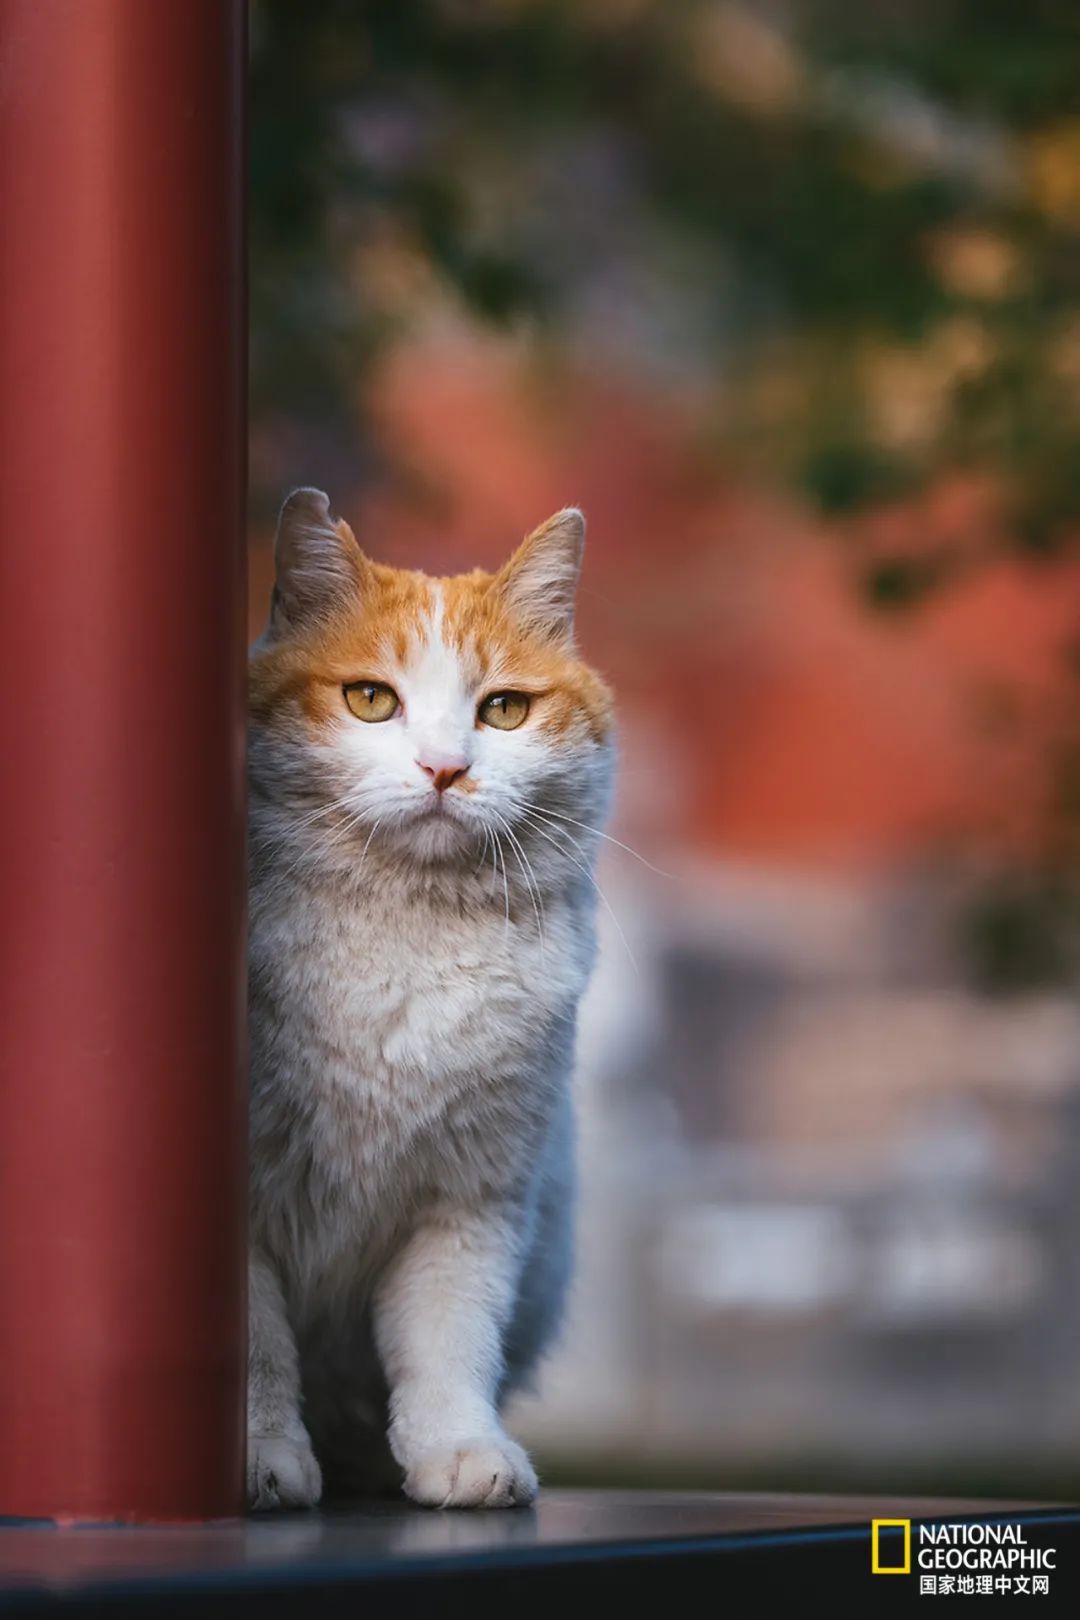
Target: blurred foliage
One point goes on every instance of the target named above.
(871, 213)
(1022, 933)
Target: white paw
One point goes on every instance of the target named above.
(281, 1473)
(491, 1472)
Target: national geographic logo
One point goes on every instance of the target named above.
(876, 1565)
(967, 1558)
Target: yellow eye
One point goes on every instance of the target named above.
(503, 710)
(372, 700)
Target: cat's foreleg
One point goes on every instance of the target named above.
(440, 1316)
(281, 1468)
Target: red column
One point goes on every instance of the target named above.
(122, 1113)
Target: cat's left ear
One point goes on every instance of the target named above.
(318, 565)
(540, 580)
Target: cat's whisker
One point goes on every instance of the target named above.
(528, 874)
(598, 833)
(575, 843)
(324, 810)
(370, 836)
(506, 884)
(345, 832)
(583, 867)
(274, 844)
(337, 837)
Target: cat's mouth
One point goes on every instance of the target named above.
(449, 804)
(443, 810)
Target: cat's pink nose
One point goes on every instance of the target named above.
(443, 772)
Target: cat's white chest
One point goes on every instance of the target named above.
(402, 1054)
(420, 1000)
(391, 1016)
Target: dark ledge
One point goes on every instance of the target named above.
(810, 1552)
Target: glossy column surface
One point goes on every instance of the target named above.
(122, 1129)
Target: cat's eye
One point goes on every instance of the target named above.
(503, 710)
(372, 700)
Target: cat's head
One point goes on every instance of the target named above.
(441, 712)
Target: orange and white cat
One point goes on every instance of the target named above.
(430, 765)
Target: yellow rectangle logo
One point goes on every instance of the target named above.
(876, 1527)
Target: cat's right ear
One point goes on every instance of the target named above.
(318, 564)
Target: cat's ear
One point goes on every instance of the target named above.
(318, 564)
(540, 580)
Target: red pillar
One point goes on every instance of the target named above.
(122, 1112)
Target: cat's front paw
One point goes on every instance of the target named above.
(281, 1473)
(490, 1472)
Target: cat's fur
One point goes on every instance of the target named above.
(416, 963)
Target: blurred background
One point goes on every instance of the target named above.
(786, 294)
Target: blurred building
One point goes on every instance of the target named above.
(829, 1202)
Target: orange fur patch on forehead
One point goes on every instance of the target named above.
(375, 636)
(369, 638)
(498, 651)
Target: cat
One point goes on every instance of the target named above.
(430, 763)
